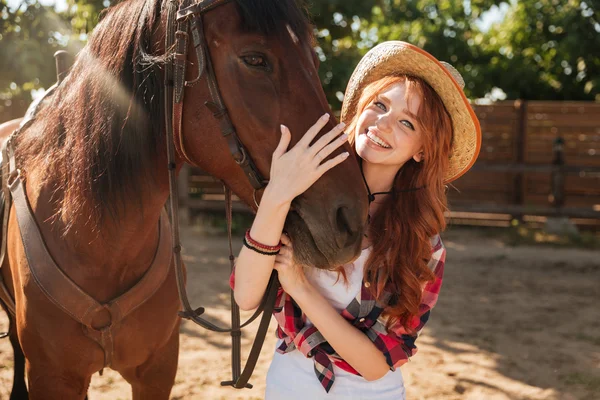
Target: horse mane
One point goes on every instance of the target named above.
(97, 141)
(270, 17)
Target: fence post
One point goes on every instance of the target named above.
(557, 178)
(62, 64)
(559, 224)
(520, 142)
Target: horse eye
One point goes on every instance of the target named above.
(255, 61)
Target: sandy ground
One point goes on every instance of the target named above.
(511, 323)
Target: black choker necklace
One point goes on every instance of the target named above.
(371, 196)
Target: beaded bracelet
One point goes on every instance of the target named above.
(259, 247)
(266, 253)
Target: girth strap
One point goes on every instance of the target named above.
(66, 294)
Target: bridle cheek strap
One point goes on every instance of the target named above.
(179, 83)
(189, 19)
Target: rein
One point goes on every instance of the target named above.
(180, 23)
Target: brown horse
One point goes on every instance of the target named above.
(94, 167)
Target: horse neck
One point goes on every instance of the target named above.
(118, 250)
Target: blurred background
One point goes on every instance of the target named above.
(518, 317)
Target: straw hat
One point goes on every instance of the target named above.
(401, 58)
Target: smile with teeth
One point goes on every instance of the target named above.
(377, 140)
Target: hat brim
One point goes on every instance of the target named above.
(401, 58)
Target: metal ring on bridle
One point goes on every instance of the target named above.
(244, 156)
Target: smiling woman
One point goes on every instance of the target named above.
(413, 131)
(388, 132)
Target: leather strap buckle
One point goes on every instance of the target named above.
(244, 156)
(13, 179)
(181, 35)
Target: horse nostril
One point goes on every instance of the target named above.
(347, 227)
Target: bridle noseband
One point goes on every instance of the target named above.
(188, 18)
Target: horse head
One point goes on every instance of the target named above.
(266, 72)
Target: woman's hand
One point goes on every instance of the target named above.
(294, 171)
(291, 275)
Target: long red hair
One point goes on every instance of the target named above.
(401, 229)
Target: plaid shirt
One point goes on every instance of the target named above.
(364, 312)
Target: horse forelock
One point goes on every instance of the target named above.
(276, 17)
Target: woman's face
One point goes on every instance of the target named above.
(388, 132)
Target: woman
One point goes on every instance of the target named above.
(414, 131)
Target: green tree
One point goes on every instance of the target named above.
(547, 50)
(29, 36)
(27, 42)
(447, 29)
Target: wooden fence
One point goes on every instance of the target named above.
(537, 159)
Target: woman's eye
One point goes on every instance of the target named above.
(379, 104)
(255, 61)
(408, 124)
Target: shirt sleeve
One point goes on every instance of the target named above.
(232, 279)
(397, 344)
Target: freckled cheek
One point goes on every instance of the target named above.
(366, 119)
(361, 147)
(405, 142)
(399, 139)
(358, 145)
(418, 142)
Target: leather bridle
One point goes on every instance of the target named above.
(189, 20)
(183, 19)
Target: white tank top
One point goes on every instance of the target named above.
(291, 376)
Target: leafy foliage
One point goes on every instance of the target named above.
(30, 34)
(446, 29)
(547, 49)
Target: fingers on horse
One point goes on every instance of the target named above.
(284, 142)
(330, 148)
(285, 251)
(328, 138)
(280, 262)
(327, 165)
(314, 130)
(285, 240)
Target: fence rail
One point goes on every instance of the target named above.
(537, 159)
